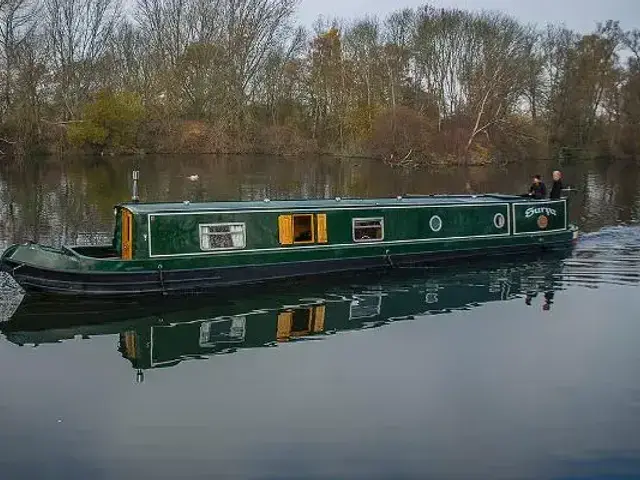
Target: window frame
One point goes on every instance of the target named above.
(313, 228)
(367, 219)
(201, 235)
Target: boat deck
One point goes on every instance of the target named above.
(186, 206)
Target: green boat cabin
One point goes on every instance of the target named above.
(168, 230)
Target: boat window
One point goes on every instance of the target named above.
(435, 223)
(368, 229)
(221, 236)
(303, 229)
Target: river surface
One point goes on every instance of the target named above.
(526, 369)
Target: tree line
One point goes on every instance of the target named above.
(238, 76)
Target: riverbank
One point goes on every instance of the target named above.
(204, 138)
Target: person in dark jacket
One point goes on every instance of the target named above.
(538, 189)
(556, 188)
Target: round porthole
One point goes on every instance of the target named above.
(498, 220)
(435, 223)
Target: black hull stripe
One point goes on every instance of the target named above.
(34, 280)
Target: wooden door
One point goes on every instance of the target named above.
(127, 234)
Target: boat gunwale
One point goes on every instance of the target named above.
(570, 229)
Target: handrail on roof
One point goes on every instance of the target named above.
(135, 207)
(461, 195)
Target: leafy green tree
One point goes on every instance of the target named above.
(111, 121)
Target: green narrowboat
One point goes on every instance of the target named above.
(161, 248)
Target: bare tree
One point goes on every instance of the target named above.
(280, 83)
(397, 51)
(165, 26)
(498, 78)
(445, 47)
(430, 81)
(79, 33)
(236, 38)
(17, 22)
(252, 29)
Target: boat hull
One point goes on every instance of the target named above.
(175, 278)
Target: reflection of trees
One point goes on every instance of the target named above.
(627, 198)
(56, 203)
(611, 193)
(6, 212)
(598, 198)
(72, 200)
(26, 203)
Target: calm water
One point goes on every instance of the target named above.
(527, 369)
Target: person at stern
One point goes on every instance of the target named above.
(538, 190)
(556, 188)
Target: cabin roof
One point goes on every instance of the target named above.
(150, 208)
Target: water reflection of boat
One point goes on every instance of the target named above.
(164, 335)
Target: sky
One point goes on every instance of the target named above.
(580, 15)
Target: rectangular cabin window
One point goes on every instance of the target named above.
(298, 229)
(222, 236)
(368, 229)
(303, 229)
